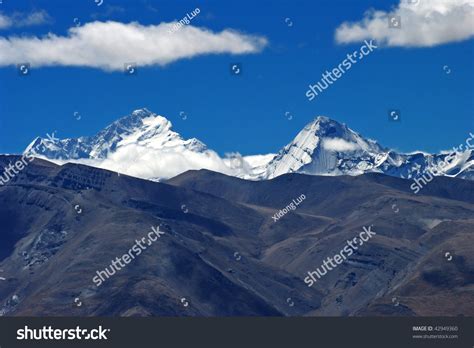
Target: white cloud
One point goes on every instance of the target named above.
(160, 164)
(109, 45)
(424, 23)
(18, 19)
(144, 162)
(149, 163)
(164, 163)
(259, 160)
(340, 145)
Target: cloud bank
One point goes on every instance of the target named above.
(424, 23)
(109, 45)
(161, 164)
(144, 162)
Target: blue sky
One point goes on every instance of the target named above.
(243, 113)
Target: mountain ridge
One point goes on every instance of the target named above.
(137, 145)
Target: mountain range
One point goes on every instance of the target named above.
(222, 253)
(144, 145)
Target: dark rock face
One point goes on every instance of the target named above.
(222, 254)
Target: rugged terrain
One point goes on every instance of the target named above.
(223, 254)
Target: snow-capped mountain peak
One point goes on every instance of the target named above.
(327, 147)
(142, 127)
(323, 147)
